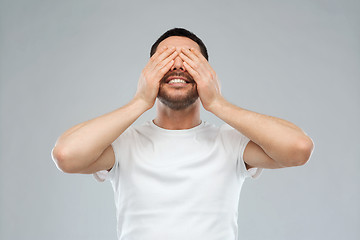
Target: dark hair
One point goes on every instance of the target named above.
(182, 33)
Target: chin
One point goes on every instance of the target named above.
(179, 102)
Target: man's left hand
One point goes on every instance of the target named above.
(208, 86)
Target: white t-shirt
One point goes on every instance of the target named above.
(178, 184)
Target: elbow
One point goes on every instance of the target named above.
(303, 150)
(299, 152)
(62, 160)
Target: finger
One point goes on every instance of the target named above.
(153, 59)
(159, 56)
(164, 54)
(189, 54)
(166, 61)
(188, 60)
(199, 58)
(192, 59)
(198, 53)
(158, 52)
(201, 67)
(162, 71)
(192, 71)
(197, 62)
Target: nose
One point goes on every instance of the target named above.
(178, 65)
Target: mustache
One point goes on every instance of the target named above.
(178, 74)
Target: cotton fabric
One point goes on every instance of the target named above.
(178, 184)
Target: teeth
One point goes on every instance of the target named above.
(177, 81)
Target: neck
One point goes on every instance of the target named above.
(177, 119)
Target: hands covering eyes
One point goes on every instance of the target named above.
(195, 64)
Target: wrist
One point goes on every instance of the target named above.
(141, 103)
(217, 105)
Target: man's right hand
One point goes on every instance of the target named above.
(159, 64)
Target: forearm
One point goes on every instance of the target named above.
(85, 142)
(281, 140)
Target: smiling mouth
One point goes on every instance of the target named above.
(177, 81)
(174, 80)
(177, 78)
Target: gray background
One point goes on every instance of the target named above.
(64, 62)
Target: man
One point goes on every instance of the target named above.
(178, 177)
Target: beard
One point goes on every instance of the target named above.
(177, 101)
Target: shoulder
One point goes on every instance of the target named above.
(224, 131)
(228, 131)
(134, 130)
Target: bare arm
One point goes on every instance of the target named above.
(86, 147)
(80, 146)
(283, 142)
(275, 143)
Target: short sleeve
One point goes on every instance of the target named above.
(104, 175)
(238, 143)
(251, 172)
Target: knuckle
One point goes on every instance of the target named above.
(160, 65)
